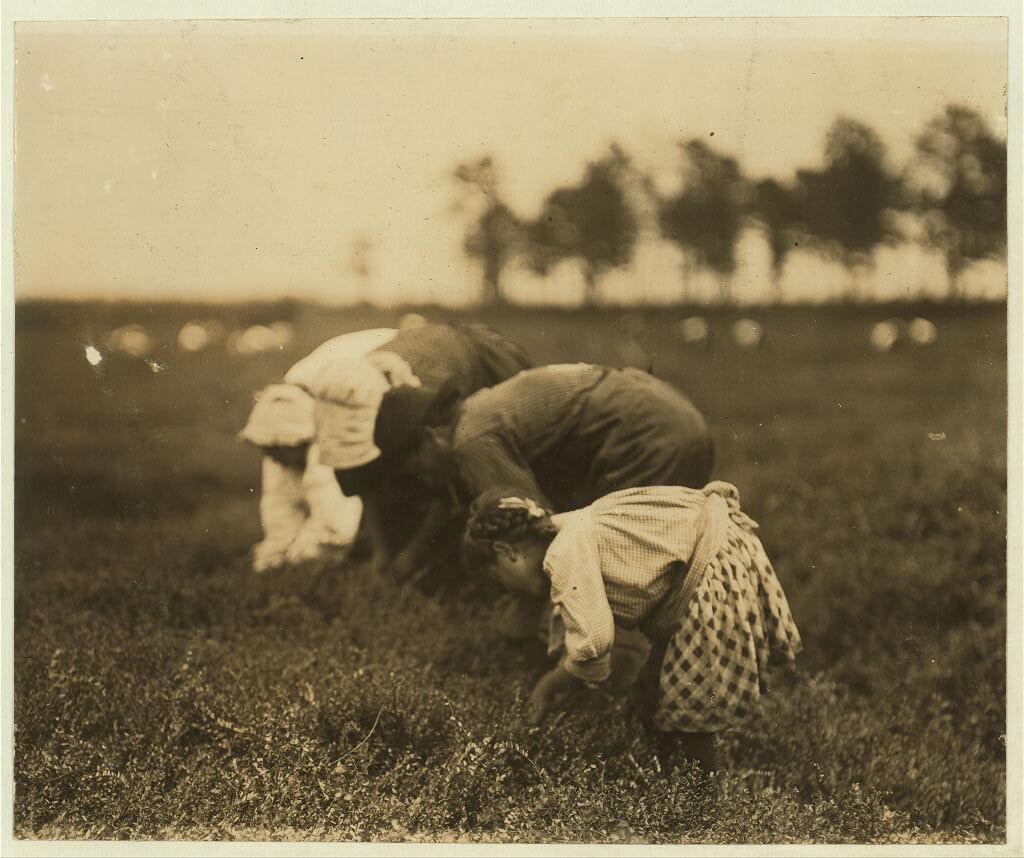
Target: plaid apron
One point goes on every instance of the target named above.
(737, 622)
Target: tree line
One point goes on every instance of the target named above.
(954, 186)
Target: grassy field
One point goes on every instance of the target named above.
(164, 691)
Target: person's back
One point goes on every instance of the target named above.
(641, 539)
(575, 432)
(503, 430)
(638, 430)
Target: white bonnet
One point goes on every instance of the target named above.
(281, 416)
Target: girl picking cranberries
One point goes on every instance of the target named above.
(683, 565)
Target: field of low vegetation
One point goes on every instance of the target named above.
(162, 690)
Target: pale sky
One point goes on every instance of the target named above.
(244, 159)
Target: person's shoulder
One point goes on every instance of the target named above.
(574, 551)
(471, 410)
(555, 376)
(645, 496)
(573, 527)
(577, 368)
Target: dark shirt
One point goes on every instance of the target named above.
(568, 434)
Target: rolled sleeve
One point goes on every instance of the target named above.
(577, 590)
(595, 670)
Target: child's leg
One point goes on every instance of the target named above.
(647, 688)
(333, 517)
(630, 652)
(282, 513)
(374, 518)
(686, 748)
(700, 748)
(663, 678)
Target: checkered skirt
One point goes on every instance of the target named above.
(713, 672)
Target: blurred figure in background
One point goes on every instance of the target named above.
(365, 423)
(303, 512)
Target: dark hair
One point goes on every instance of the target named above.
(492, 521)
(405, 413)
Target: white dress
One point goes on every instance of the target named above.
(304, 514)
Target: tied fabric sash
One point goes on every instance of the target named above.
(721, 509)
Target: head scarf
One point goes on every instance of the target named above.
(281, 416)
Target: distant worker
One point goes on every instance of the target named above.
(303, 511)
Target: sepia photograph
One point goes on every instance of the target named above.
(587, 432)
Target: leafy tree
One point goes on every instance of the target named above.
(592, 221)
(844, 204)
(777, 207)
(845, 201)
(495, 236)
(958, 179)
(705, 218)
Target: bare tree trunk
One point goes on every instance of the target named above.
(954, 268)
(779, 251)
(777, 289)
(686, 296)
(590, 289)
(858, 270)
(492, 295)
